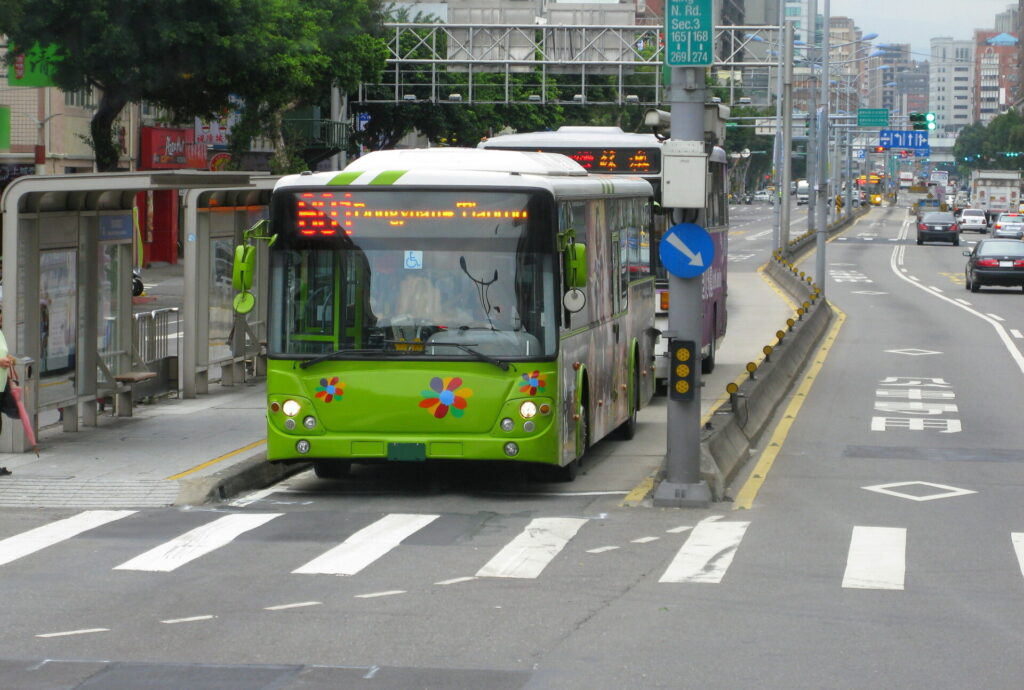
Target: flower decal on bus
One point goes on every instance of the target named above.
(329, 390)
(446, 395)
(532, 383)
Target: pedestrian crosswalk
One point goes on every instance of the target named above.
(709, 552)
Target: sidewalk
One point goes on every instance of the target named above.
(188, 452)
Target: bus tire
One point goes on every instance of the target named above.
(332, 469)
(627, 430)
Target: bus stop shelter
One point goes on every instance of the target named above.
(67, 248)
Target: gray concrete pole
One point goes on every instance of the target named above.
(683, 486)
(781, 193)
(787, 133)
(812, 124)
(849, 172)
(822, 231)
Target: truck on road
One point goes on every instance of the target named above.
(906, 179)
(995, 191)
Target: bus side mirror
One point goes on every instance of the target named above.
(576, 266)
(243, 267)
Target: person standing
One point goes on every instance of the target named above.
(6, 362)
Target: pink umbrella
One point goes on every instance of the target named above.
(26, 421)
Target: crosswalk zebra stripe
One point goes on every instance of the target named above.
(195, 543)
(707, 554)
(1018, 545)
(366, 545)
(877, 558)
(13, 548)
(529, 553)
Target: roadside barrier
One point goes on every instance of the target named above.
(733, 429)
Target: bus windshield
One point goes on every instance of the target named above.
(452, 274)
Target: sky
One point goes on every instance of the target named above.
(917, 22)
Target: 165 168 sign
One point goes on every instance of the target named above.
(689, 30)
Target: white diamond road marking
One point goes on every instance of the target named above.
(914, 352)
(366, 545)
(20, 545)
(707, 554)
(530, 552)
(950, 491)
(876, 559)
(198, 542)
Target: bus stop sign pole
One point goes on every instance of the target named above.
(685, 254)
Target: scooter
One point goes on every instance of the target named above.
(137, 286)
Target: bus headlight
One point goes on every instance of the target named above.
(511, 449)
(309, 422)
(302, 446)
(289, 424)
(529, 426)
(291, 407)
(528, 409)
(507, 424)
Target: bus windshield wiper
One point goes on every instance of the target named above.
(476, 353)
(338, 353)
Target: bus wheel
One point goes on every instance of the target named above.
(332, 469)
(627, 430)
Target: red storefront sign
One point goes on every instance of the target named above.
(166, 148)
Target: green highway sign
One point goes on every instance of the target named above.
(689, 31)
(873, 117)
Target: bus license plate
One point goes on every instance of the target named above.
(407, 452)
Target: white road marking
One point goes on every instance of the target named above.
(707, 554)
(996, 317)
(193, 619)
(679, 530)
(645, 540)
(602, 549)
(1015, 333)
(366, 545)
(195, 543)
(876, 559)
(963, 301)
(297, 605)
(85, 631)
(932, 287)
(1018, 545)
(913, 277)
(252, 497)
(20, 545)
(455, 580)
(373, 595)
(529, 553)
(950, 491)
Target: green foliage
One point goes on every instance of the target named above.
(191, 56)
(992, 146)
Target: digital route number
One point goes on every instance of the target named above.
(689, 32)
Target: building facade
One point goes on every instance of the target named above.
(951, 83)
(995, 73)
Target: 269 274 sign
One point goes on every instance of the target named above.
(689, 31)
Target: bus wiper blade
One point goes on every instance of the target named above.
(337, 353)
(476, 353)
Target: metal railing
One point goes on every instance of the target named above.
(156, 335)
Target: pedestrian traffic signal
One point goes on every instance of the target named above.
(682, 369)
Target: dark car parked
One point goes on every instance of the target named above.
(995, 262)
(938, 226)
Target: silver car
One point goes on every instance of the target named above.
(973, 219)
(1009, 225)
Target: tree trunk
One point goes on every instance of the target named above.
(102, 131)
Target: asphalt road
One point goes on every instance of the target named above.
(884, 548)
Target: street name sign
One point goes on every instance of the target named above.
(872, 117)
(903, 139)
(689, 29)
(686, 250)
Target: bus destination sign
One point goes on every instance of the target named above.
(689, 28)
(639, 161)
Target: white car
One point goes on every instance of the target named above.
(763, 195)
(973, 219)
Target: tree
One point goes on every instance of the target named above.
(191, 56)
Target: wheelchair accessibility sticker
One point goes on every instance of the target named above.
(413, 259)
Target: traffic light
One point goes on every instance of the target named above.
(929, 121)
(879, 149)
(919, 121)
(682, 369)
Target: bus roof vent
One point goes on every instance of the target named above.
(452, 158)
(586, 129)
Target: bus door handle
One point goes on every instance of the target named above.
(615, 330)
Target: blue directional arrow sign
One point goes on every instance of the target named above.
(903, 139)
(686, 250)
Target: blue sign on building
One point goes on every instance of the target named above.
(686, 250)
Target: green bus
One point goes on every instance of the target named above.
(456, 304)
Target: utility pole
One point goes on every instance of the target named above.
(822, 179)
(787, 133)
